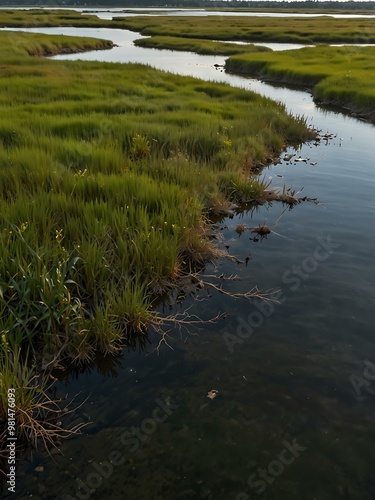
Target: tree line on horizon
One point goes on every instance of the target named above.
(268, 4)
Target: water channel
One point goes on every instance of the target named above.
(293, 418)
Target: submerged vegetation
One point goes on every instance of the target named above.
(342, 76)
(108, 173)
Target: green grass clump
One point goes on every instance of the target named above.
(200, 46)
(343, 76)
(107, 174)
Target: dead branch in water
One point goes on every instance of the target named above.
(254, 293)
(184, 320)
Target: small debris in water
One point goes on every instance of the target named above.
(329, 136)
(40, 468)
(240, 228)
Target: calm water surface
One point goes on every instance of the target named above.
(293, 418)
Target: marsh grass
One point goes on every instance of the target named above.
(343, 76)
(108, 176)
(49, 18)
